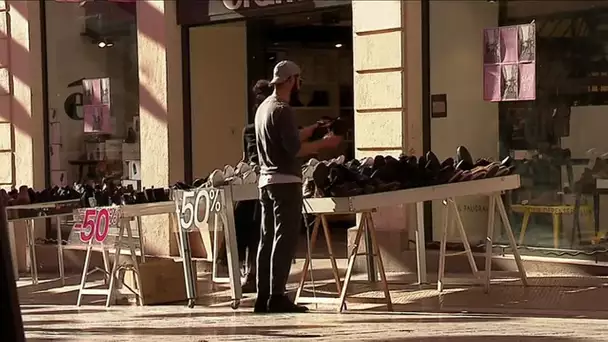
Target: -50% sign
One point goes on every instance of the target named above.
(94, 223)
(194, 207)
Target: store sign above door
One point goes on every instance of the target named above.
(236, 5)
(199, 12)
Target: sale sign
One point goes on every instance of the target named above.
(93, 224)
(194, 208)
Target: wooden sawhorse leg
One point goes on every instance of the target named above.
(125, 223)
(451, 215)
(12, 243)
(82, 290)
(320, 221)
(112, 274)
(365, 225)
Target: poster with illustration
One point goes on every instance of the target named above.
(491, 52)
(97, 119)
(527, 81)
(491, 83)
(527, 43)
(508, 44)
(105, 91)
(87, 91)
(509, 69)
(510, 82)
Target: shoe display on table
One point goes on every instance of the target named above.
(340, 178)
(26, 195)
(240, 174)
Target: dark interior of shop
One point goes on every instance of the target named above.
(322, 41)
(319, 40)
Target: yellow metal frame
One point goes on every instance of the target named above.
(556, 211)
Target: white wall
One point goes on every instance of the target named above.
(218, 72)
(456, 70)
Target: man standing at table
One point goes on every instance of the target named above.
(280, 144)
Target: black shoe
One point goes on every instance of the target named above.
(282, 304)
(261, 304)
(249, 286)
(320, 177)
(462, 154)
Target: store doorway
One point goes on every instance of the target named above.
(225, 62)
(227, 59)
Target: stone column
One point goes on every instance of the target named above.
(160, 110)
(21, 117)
(387, 79)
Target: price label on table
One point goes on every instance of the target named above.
(195, 207)
(93, 224)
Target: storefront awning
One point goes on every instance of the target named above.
(199, 12)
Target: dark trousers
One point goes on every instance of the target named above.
(247, 219)
(281, 219)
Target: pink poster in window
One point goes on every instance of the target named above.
(96, 91)
(491, 46)
(509, 70)
(527, 81)
(508, 44)
(97, 119)
(491, 83)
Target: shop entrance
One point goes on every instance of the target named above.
(227, 59)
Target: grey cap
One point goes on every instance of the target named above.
(284, 70)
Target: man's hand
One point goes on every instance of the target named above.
(331, 141)
(306, 132)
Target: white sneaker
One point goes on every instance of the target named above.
(216, 179)
(228, 171)
(250, 177)
(242, 168)
(312, 162)
(307, 172)
(236, 180)
(367, 161)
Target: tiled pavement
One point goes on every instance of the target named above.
(550, 309)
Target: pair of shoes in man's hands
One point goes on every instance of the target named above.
(338, 126)
(242, 173)
(339, 178)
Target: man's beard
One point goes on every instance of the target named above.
(294, 98)
(295, 89)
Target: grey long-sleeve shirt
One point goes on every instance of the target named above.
(278, 142)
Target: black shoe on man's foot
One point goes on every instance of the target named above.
(249, 286)
(282, 304)
(261, 304)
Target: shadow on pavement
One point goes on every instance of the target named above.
(266, 331)
(444, 319)
(485, 338)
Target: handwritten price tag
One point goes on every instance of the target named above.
(93, 224)
(194, 207)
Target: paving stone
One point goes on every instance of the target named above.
(551, 309)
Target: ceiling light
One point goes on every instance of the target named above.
(338, 45)
(102, 44)
(109, 44)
